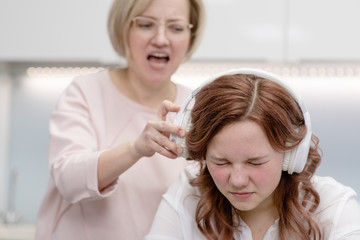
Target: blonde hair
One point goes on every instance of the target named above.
(123, 11)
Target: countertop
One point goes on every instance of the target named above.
(17, 232)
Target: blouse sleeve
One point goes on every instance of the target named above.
(172, 216)
(73, 149)
(166, 224)
(175, 217)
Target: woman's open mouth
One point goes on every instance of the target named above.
(158, 59)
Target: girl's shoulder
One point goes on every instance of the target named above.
(338, 212)
(334, 196)
(330, 188)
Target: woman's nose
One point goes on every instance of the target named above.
(160, 38)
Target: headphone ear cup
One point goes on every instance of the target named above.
(183, 120)
(295, 159)
(287, 159)
(301, 156)
(290, 161)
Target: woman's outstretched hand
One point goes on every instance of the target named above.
(155, 136)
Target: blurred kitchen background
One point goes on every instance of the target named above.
(44, 44)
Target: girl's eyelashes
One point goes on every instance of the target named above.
(252, 162)
(221, 164)
(256, 164)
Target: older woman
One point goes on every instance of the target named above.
(109, 146)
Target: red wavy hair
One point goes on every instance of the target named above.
(241, 97)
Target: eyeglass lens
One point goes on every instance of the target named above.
(151, 26)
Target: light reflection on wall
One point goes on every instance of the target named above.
(45, 82)
(192, 74)
(48, 80)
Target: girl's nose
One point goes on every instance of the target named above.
(239, 177)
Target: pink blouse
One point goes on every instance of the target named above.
(92, 116)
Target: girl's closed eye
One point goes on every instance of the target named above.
(220, 162)
(257, 161)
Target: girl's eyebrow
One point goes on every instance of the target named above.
(252, 159)
(257, 158)
(215, 158)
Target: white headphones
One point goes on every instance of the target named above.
(294, 159)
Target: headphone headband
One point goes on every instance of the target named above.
(294, 160)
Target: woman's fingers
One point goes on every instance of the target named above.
(155, 136)
(166, 107)
(166, 144)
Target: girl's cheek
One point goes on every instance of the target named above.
(261, 174)
(218, 173)
(264, 175)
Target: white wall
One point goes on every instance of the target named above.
(237, 30)
(5, 98)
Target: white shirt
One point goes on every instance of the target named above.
(338, 214)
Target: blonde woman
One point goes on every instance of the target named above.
(109, 147)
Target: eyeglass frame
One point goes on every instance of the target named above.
(188, 26)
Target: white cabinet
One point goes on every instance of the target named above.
(249, 30)
(243, 30)
(324, 30)
(282, 30)
(43, 30)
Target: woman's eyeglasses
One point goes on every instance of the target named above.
(149, 27)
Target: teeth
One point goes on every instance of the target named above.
(158, 64)
(159, 55)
